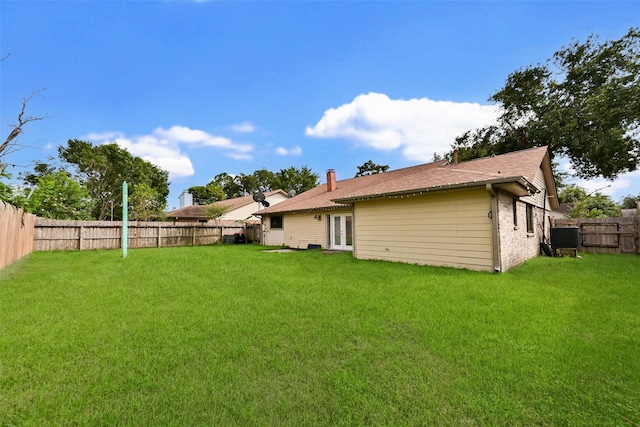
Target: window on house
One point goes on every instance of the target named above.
(515, 211)
(529, 218)
(276, 222)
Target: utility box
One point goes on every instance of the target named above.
(565, 238)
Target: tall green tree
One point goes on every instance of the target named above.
(630, 202)
(298, 180)
(595, 206)
(571, 193)
(584, 103)
(370, 168)
(207, 194)
(231, 187)
(144, 203)
(587, 205)
(59, 196)
(263, 180)
(54, 194)
(103, 168)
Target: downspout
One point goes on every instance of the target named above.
(354, 251)
(495, 236)
(544, 217)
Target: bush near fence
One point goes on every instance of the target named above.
(16, 233)
(53, 235)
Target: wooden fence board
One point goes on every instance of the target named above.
(16, 233)
(605, 235)
(94, 235)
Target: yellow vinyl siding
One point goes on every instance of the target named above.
(451, 229)
(274, 237)
(301, 230)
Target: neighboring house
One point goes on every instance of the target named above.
(484, 214)
(238, 209)
(563, 211)
(632, 212)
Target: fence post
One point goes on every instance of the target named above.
(80, 233)
(636, 233)
(193, 236)
(159, 234)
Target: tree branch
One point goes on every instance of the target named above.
(23, 120)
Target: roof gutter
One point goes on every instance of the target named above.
(521, 181)
(305, 210)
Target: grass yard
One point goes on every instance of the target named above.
(232, 335)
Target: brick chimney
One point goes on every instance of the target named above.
(331, 180)
(455, 156)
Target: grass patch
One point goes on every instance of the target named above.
(232, 335)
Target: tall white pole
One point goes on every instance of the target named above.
(125, 224)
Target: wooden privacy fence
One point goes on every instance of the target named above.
(51, 235)
(16, 233)
(605, 235)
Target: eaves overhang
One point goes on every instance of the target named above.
(518, 186)
(305, 210)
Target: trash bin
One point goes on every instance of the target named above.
(240, 238)
(228, 239)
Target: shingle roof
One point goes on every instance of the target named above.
(518, 167)
(198, 211)
(193, 211)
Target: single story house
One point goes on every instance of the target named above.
(238, 209)
(487, 214)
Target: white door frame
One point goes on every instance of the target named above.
(340, 236)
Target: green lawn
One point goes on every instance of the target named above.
(232, 335)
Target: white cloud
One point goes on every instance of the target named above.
(419, 127)
(165, 147)
(244, 127)
(295, 151)
(628, 183)
(625, 184)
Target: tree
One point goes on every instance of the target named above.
(229, 185)
(143, 203)
(370, 168)
(263, 180)
(54, 194)
(207, 194)
(215, 211)
(299, 180)
(102, 170)
(40, 170)
(9, 144)
(595, 206)
(583, 103)
(6, 191)
(587, 205)
(630, 202)
(571, 194)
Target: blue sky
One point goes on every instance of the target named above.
(205, 87)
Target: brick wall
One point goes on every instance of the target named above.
(517, 244)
